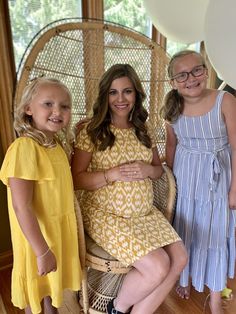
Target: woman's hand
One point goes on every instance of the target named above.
(137, 170)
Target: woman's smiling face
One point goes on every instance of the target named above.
(121, 99)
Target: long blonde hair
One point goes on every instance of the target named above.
(174, 103)
(23, 123)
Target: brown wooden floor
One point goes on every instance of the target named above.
(172, 305)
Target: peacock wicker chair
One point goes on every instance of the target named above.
(77, 52)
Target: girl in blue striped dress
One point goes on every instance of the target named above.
(201, 149)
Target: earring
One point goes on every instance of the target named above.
(131, 113)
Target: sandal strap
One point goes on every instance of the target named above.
(114, 311)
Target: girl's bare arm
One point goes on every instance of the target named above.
(229, 113)
(22, 195)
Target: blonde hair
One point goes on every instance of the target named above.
(174, 102)
(23, 123)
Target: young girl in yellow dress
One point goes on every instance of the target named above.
(40, 199)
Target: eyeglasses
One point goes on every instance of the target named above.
(196, 72)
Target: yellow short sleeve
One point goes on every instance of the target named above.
(26, 159)
(83, 141)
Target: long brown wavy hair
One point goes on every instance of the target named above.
(99, 126)
(174, 103)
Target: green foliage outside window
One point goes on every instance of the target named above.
(130, 13)
(29, 17)
(173, 47)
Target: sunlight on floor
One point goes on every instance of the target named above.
(71, 304)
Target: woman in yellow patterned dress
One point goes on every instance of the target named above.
(40, 200)
(115, 159)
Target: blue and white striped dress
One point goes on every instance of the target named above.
(202, 168)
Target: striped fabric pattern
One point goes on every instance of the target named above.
(203, 220)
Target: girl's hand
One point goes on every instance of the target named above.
(232, 199)
(46, 263)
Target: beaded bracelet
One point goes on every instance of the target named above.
(44, 254)
(108, 182)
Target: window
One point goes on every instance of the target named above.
(29, 17)
(130, 13)
(173, 47)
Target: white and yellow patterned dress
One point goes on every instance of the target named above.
(121, 217)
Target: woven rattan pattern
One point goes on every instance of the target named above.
(78, 53)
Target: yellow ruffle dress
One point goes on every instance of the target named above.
(54, 208)
(121, 217)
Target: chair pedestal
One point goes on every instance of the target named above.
(102, 287)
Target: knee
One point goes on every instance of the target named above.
(181, 259)
(162, 266)
(157, 267)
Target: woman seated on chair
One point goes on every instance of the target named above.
(114, 163)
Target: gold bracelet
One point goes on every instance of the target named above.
(44, 254)
(108, 182)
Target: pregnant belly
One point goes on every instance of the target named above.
(126, 199)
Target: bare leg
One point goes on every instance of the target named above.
(147, 274)
(28, 310)
(216, 303)
(178, 258)
(48, 307)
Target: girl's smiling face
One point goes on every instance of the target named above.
(121, 98)
(50, 109)
(194, 85)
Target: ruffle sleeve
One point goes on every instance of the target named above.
(26, 159)
(83, 141)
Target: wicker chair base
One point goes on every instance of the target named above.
(102, 287)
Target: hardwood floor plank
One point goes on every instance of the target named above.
(2, 307)
(172, 305)
(6, 259)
